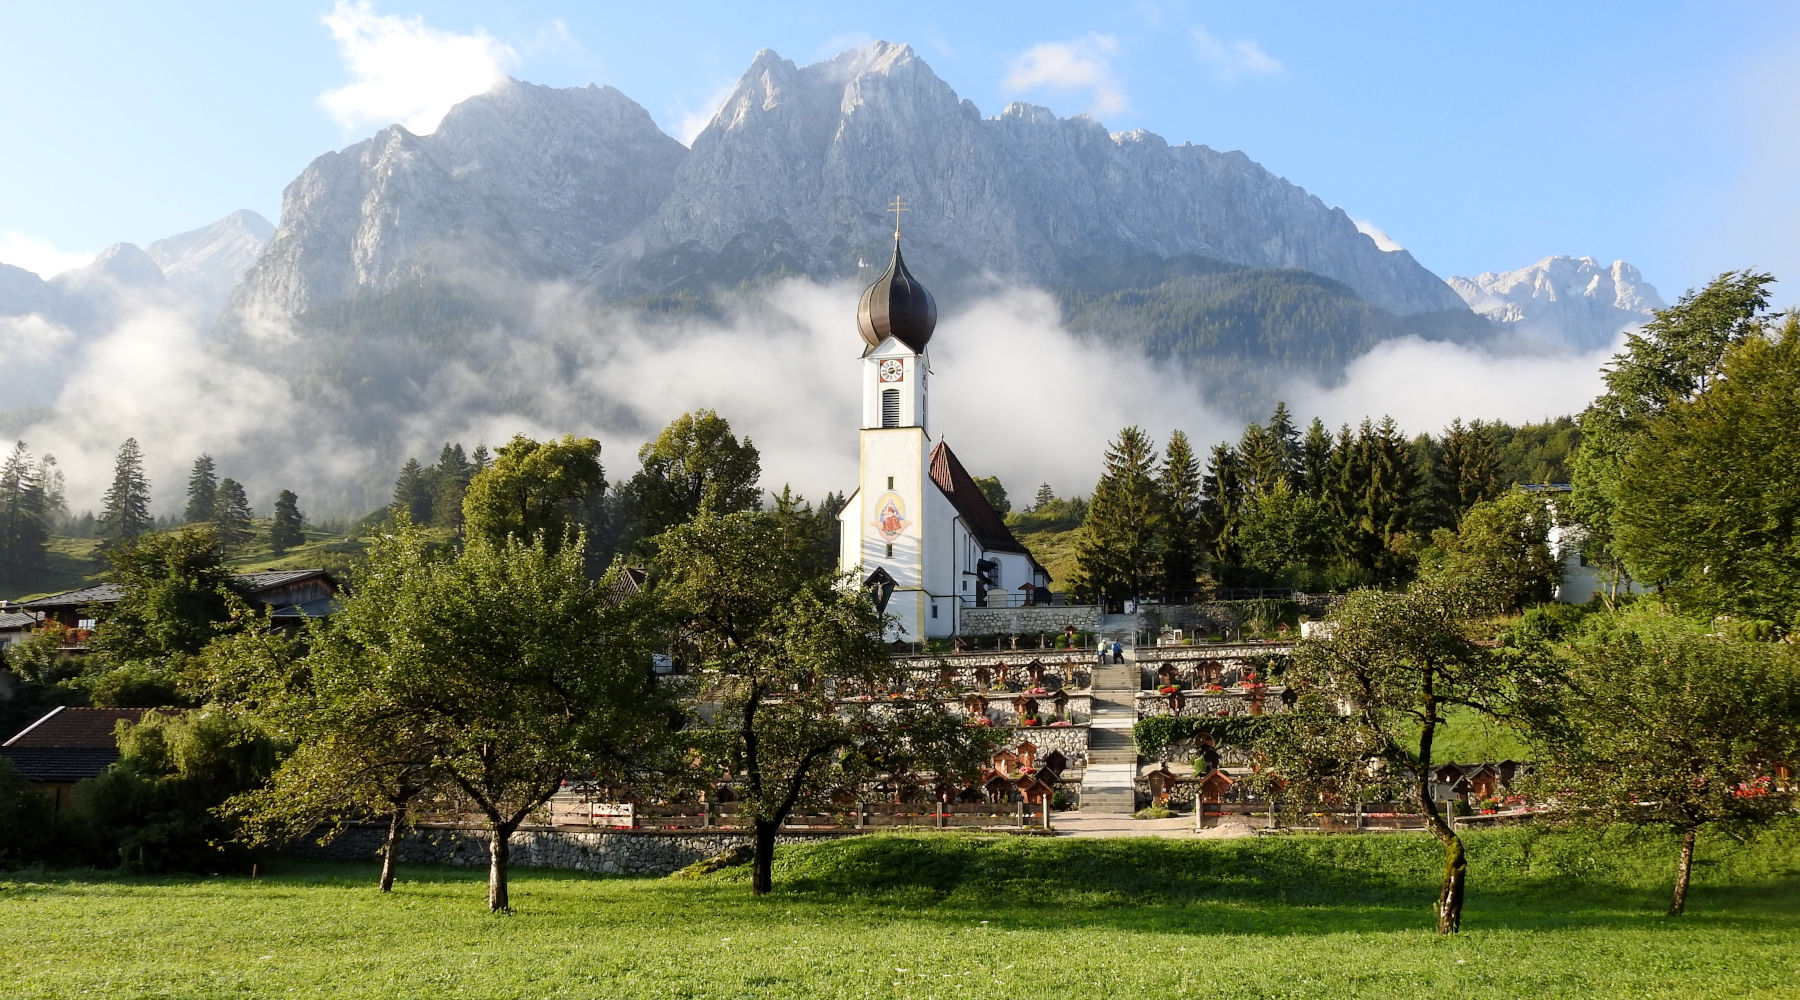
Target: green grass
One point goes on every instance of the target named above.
(1468, 737)
(1057, 552)
(1549, 915)
(73, 563)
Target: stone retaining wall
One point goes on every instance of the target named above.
(1053, 619)
(611, 852)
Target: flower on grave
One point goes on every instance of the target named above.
(1062, 722)
(1169, 689)
(980, 720)
(1031, 720)
(1214, 688)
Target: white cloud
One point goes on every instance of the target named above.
(404, 71)
(1424, 385)
(692, 123)
(1230, 60)
(1081, 66)
(39, 256)
(1383, 241)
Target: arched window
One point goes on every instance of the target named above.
(890, 407)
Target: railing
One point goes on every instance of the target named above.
(568, 811)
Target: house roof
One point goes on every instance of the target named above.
(959, 487)
(108, 593)
(12, 621)
(59, 764)
(104, 593)
(69, 728)
(269, 580)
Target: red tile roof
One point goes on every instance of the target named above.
(984, 522)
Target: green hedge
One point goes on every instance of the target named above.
(1159, 731)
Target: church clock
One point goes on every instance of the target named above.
(893, 370)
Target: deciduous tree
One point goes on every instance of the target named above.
(1658, 725)
(548, 489)
(781, 647)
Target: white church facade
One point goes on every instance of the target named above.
(917, 527)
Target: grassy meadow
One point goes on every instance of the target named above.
(1549, 915)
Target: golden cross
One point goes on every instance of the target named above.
(897, 207)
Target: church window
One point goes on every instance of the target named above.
(890, 482)
(890, 407)
(890, 550)
(934, 609)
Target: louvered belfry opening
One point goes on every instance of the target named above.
(890, 407)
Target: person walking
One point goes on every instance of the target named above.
(1118, 652)
(1100, 659)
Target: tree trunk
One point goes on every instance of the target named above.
(1683, 869)
(1450, 893)
(391, 848)
(763, 862)
(499, 856)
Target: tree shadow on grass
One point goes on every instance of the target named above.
(1272, 886)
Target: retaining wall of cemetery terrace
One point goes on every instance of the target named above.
(1051, 619)
(610, 852)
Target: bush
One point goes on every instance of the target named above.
(26, 820)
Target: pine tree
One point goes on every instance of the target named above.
(1467, 471)
(288, 526)
(1284, 438)
(1315, 461)
(1045, 495)
(1375, 501)
(1182, 533)
(1222, 506)
(449, 481)
(24, 528)
(231, 514)
(125, 509)
(202, 491)
(1121, 545)
(479, 459)
(412, 495)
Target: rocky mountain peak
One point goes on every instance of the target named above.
(1574, 300)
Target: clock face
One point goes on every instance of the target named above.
(893, 370)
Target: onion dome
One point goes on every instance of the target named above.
(896, 305)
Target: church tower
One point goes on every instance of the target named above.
(884, 523)
(916, 515)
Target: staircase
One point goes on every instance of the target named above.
(1106, 786)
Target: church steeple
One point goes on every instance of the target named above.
(896, 305)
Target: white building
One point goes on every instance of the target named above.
(916, 514)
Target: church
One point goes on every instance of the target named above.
(917, 529)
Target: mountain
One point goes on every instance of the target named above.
(523, 180)
(1575, 301)
(792, 176)
(796, 169)
(203, 265)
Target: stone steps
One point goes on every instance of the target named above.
(1106, 786)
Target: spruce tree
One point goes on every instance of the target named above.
(1467, 471)
(1121, 546)
(1222, 505)
(202, 491)
(449, 481)
(1182, 534)
(1045, 495)
(125, 509)
(288, 526)
(231, 514)
(24, 527)
(1284, 438)
(412, 494)
(1315, 461)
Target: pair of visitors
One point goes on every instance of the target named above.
(1118, 652)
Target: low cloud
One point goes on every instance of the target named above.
(1424, 385)
(39, 257)
(1083, 66)
(405, 71)
(693, 122)
(1238, 57)
(1383, 242)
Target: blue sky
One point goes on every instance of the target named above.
(1479, 136)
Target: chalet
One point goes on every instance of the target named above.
(291, 595)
